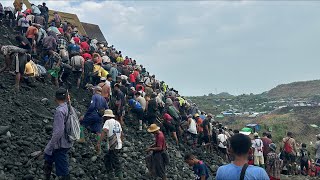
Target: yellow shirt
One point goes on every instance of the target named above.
(104, 73)
(97, 68)
(119, 59)
(181, 101)
(29, 69)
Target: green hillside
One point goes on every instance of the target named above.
(282, 95)
(302, 89)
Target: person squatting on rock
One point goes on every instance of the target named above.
(136, 109)
(57, 149)
(18, 55)
(199, 167)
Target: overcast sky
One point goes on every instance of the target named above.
(202, 47)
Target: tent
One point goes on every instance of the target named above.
(245, 133)
(219, 116)
(254, 127)
(246, 129)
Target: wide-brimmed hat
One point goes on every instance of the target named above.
(103, 79)
(108, 113)
(196, 115)
(153, 128)
(256, 134)
(209, 115)
(273, 146)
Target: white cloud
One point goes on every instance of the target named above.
(175, 45)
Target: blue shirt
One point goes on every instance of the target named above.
(135, 104)
(58, 140)
(201, 169)
(98, 102)
(73, 48)
(232, 172)
(114, 73)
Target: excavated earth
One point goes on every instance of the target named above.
(26, 127)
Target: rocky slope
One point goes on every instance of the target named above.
(26, 127)
(28, 118)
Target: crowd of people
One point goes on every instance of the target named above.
(54, 49)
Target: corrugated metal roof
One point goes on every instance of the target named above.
(93, 31)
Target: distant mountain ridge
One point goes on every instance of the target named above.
(301, 89)
(279, 96)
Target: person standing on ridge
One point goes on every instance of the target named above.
(304, 161)
(317, 151)
(290, 151)
(273, 163)
(258, 147)
(266, 141)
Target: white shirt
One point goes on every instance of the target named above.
(147, 80)
(193, 127)
(222, 138)
(105, 59)
(124, 77)
(108, 83)
(257, 144)
(114, 126)
(142, 102)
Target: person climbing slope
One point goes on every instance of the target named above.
(92, 120)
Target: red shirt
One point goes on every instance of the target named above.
(76, 40)
(132, 78)
(160, 141)
(126, 62)
(167, 117)
(85, 46)
(199, 122)
(61, 30)
(86, 56)
(28, 11)
(139, 85)
(136, 74)
(266, 141)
